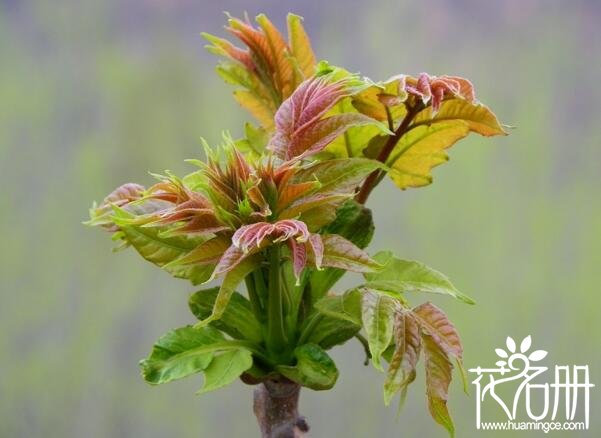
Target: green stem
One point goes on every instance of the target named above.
(276, 335)
(255, 299)
(260, 287)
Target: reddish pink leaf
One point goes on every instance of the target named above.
(252, 236)
(438, 377)
(343, 254)
(299, 256)
(401, 371)
(436, 324)
(315, 250)
(314, 137)
(304, 108)
(231, 258)
(436, 88)
(123, 194)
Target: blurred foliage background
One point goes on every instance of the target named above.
(95, 94)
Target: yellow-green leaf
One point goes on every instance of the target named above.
(478, 117)
(356, 138)
(260, 109)
(378, 320)
(231, 280)
(346, 306)
(383, 99)
(151, 244)
(300, 45)
(226, 368)
(421, 149)
(403, 276)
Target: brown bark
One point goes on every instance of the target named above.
(276, 408)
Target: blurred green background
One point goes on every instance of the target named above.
(95, 94)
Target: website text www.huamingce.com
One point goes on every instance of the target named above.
(544, 426)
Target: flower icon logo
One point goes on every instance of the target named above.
(511, 354)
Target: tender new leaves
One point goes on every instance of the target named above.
(300, 45)
(423, 146)
(401, 276)
(301, 128)
(429, 114)
(232, 212)
(270, 69)
(154, 246)
(343, 254)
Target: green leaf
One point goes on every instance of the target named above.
(438, 378)
(353, 222)
(338, 319)
(238, 320)
(403, 276)
(341, 175)
(346, 307)
(254, 142)
(378, 320)
(356, 138)
(231, 280)
(330, 331)
(161, 250)
(343, 254)
(401, 369)
(314, 368)
(226, 368)
(180, 353)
